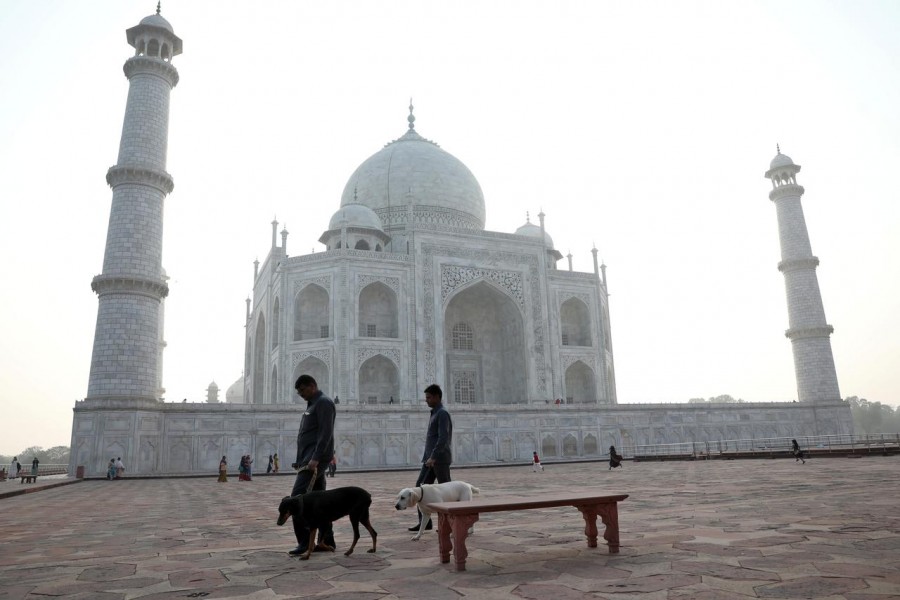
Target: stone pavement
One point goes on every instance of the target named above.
(711, 529)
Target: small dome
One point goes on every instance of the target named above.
(235, 392)
(780, 160)
(158, 21)
(531, 230)
(212, 386)
(355, 215)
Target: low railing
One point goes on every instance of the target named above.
(43, 469)
(822, 444)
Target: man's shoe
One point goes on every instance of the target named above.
(299, 550)
(416, 527)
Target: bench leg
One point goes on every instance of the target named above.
(457, 527)
(609, 514)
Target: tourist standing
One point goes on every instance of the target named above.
(120, 468)
(34, 466)
(315, 447)
(223, 471)
(111, 469)
(271, 464)
(332, 466)
(438, 441)
(277, 463)
(12, 466)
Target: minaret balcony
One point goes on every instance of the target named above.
(153, 66)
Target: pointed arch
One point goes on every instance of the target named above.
(379, 380)
(496, 360)
(575, 323)
(580, 388)
(312, 313)
(273, 386)
(378, 314)
(362, 245)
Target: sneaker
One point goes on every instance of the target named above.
(298, 551)
(417, 525)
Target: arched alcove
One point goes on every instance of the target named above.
(379, 380)
(273, 386)
(312, 313)
(580, 388)
(378, 311)
(575, 323)
(493, 357)
(548, 446)
(362, 245)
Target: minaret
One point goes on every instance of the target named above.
(810, 335)
(125, 360)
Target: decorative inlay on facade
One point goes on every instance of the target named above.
(425, 215)
(565, 295)
(364, 353)
(323, 355)
(454, 276)
(530, 261)
(324, 282)
(161, 180)
(364, 280)
(569, 359)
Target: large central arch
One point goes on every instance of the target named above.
(495, 359)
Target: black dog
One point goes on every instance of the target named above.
(322, 507)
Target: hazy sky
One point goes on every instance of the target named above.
(642, 127)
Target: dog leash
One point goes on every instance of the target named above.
(312, 481)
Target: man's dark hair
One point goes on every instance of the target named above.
(305, 380)
(435, 390)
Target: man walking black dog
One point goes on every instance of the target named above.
(438, 440)
(315, 449)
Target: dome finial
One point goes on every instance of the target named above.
(354, 195)
(158, 6)
(527, 217)
(411, 118)
(778, 148)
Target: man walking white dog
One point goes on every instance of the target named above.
(438, 439)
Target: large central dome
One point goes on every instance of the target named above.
(413, 170)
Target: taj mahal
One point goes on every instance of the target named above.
(408, 289)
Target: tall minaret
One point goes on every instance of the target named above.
(125, 361)
(810, 335)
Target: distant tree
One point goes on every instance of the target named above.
(873, 417)
(723, 399)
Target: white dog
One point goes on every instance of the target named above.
(426, 495)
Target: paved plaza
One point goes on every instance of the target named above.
(708, 529)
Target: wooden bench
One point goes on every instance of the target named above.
(28, 478)
(455, 518)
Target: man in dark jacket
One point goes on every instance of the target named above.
(438, 440)
(315, 449)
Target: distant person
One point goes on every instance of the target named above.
(797, 452)
(337, 400)
(536, 464)
(615, 459)
(271, 464)
(120, 468)
(12, 466)
(111, 469)
(436, 459)
(18, 468)
(391, 401)
(34, 466)
(276, 462)
(332, 466)
(223, 471)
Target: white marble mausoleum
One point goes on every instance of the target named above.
(408, 289)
